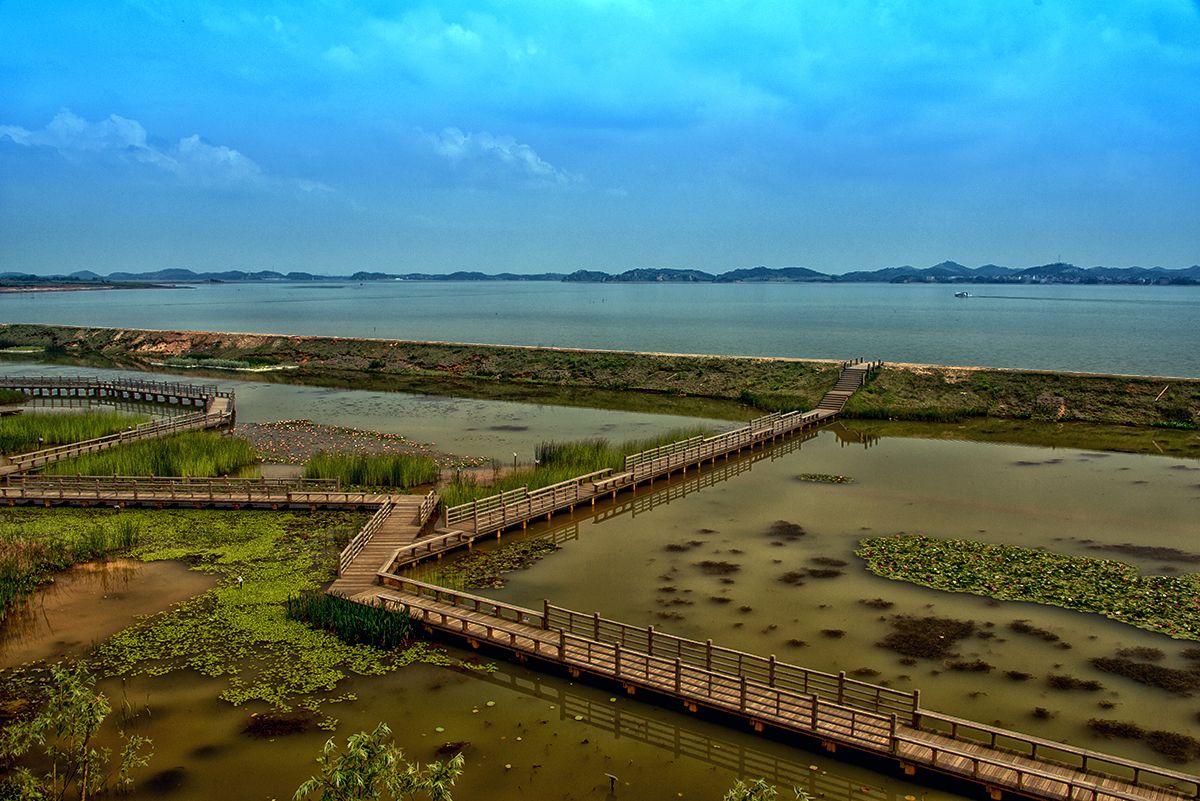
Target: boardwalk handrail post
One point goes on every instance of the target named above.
(596, 624)
(841, 695)
(771, 671)
(545, 613)
(916, 709)
(708, 654)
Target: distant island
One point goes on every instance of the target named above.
(947, 272)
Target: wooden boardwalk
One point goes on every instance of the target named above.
(214, 409)
(835, 711)
(397, 523)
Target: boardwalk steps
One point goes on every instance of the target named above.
(834, 710)
(395, 524)
(853, 376)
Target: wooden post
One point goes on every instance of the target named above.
(596, 625)
(841, 697)
(815, 700)
(678, 676)
(708, 655)
(771, 671)
(916, 713)
(649, 641)
(545, 613)
(742, 705)
(617, 660)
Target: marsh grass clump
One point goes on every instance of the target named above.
(21, 433)
(823, 573)
(11, 397)
(715, 568)
(267, 725)
(193, 453)
(876, 603)
(1063, 682)
(1017, 675)
(1041, 713)
(794, 577)
(398, 470)
(970, 666)
(354, 623)
(720, 599)
(833, 634)
(926, 637)
(1180, 682)
(485, 569)
(682, 547)
(828, 561)
(864, 673)
(824, 478)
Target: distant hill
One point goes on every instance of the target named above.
(946, 272)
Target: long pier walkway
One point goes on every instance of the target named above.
(835, 711)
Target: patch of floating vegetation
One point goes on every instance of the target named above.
(1174, 746)
(682, 547)
(834, 634)
(1149, 552)
(1180, 682)
(1143, 653)
(786, 531)
(1062, 682)
(1017, 675)
(927, 637)
(268, 725)
(486, 569)
(824, 478)
(714, 568)
(876, 603)
(970, 666)
(1113, 589)
(1024, 627)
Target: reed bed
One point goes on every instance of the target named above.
(26, 562)
(560, 461)
(9, 397)
(351, 622)
(399, 470)
(21, 433)
(193, 453)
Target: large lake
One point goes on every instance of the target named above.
(1122, 329)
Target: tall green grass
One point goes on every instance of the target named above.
(353, 623)
(561, 461)
(8, 397)
(26, 562)
(20, 433)
(193, 453)
(400, 470)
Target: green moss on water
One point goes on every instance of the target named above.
(241, 634)
(1166, 604)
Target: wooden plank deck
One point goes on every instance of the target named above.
(773, 699)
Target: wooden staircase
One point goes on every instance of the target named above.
(402, 526)
(853, 376)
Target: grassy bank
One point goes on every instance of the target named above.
(770, 384)
(559, 461)
(947, 394)
(21, 433)
(239, 633)
(193, 453)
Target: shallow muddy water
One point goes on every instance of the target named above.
(87, 603)
(651, 547)
(528, 744)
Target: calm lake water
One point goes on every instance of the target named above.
(1125, 329)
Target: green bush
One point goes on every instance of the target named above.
(355, 623)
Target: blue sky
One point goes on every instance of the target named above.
(600, 134)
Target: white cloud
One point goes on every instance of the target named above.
(192, 160)
(498, 152)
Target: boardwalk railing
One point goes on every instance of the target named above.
(428, 506)
(521, 503)
(768, 671)
(498, 512)
(360, 540)
(184, 491)
(96, 387)
(768, 692)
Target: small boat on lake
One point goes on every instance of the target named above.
(963, 294)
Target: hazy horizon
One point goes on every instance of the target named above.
(596, 134)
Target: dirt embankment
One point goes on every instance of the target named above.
(910, 392)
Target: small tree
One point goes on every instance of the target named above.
(759, 790)
(372, 767)
(64, 728)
